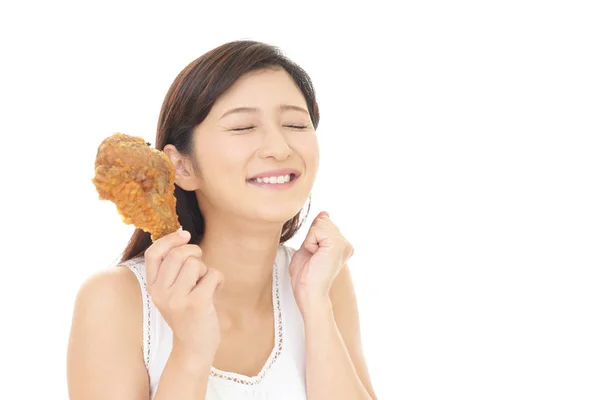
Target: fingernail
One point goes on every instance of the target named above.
(185, 234)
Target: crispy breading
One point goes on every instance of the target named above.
(140, 181)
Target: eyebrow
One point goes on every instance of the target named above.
(283, 107)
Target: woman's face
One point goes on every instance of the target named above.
(260, 126)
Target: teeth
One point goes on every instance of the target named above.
(273, 179)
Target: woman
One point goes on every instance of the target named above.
(225, 310)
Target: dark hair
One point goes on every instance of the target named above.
(189, 100)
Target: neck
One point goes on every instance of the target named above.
(245, 258)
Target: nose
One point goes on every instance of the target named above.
(275, 145)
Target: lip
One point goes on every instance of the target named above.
(276, 172)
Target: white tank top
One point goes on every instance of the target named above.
(282, 376)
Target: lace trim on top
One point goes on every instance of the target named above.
(135, 265)
(275, 353)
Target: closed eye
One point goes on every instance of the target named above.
(296, 126)
(243, 129)
(248, 128)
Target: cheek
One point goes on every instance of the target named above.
(308, 148)
(222, 171)
(224, 157)
(237, 151)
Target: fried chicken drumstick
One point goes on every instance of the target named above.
(140, 181)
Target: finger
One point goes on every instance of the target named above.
(310, 243)
(310, 237)
(321, 233)
(172, 263)
(320, 216)
(155, 254)
(316, 234)
(192, 270)
(208, 284)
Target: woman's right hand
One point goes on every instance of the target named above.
(182, 288)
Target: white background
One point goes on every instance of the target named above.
(460, 155)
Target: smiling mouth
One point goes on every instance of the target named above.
(274, 180)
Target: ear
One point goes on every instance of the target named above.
(185, 177)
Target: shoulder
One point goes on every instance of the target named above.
(110, 288)
(108, 298)
(110, 301)
(105, 342)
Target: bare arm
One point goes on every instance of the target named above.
(183, 377)
(105, 355)
(335, 364)
(104, 358)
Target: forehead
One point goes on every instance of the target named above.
(262, 88)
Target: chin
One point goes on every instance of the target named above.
(280, 214)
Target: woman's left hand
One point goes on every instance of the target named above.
(317, 262)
